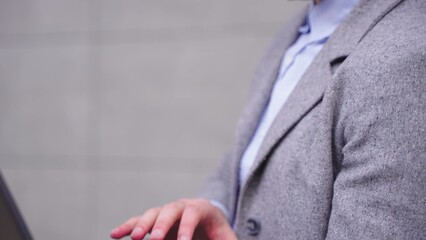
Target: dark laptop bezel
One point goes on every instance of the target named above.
(17, 217)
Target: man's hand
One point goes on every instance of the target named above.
(185, 219)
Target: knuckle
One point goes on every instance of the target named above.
(193, 209)
(131, 221)
(152, 211)
(183, 200)
(203, 202)
(174, 206)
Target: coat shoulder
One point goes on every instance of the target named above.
(402, 31)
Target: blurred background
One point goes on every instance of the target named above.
(109, 107)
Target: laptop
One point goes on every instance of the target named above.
(12, 225)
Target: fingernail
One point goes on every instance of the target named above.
(136, 232)
(157, 233)
(183, 237)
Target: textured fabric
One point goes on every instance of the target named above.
(345, 157)
(322, 20)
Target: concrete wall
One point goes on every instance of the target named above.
(110, 107)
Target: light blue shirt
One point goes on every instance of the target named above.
(322, 19)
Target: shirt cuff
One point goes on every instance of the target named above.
(221, 207)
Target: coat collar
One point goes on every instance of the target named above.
(310, 89)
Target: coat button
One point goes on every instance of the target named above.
(253, 227)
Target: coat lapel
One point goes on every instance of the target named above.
(263, 82)
(311, 86)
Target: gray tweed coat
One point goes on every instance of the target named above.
(346, 156)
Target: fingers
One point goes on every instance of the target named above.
(185, 216)
(168, 216)
(124, 229)
(189, 221)
(137, 227)
(144, 224)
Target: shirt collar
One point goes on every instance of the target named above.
(324, 17)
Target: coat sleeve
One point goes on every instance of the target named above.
(379, 190)
(218, 187)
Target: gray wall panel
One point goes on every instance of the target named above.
(110, 107)
(44, 101)
(45, 16)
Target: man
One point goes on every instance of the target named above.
(331, 144)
